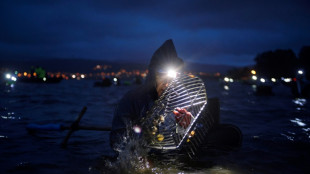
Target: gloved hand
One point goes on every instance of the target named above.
(182, 117)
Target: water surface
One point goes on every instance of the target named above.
(276, 130)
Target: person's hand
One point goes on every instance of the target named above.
(182, 117)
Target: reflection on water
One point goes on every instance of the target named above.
(289, 135)
(226, 87)
(2, 136)
(298, 122)
(9, 117)
(300, 103)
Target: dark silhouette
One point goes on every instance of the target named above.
(264, 90)
(138, 80)
(284, 63)
(304, 60)
(242, 73)
(106, 82)
(277, 64)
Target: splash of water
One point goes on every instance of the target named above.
(132, 159)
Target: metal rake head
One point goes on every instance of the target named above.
(162, 130)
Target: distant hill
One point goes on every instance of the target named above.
(67, 65)
(87, 65)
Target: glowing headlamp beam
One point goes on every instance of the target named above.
(171, 73)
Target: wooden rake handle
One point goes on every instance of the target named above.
(74, 126)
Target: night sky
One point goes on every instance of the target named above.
(211, 32)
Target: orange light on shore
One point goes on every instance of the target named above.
(25, 73)
(253, 72)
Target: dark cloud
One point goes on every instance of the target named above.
(221, 32)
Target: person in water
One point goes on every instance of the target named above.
(134, 105)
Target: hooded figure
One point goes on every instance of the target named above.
(134, 105)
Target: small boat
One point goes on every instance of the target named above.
(106, 82)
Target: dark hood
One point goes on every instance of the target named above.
(164, 56)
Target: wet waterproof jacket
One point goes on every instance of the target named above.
(134, 105)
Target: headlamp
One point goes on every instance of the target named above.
(170, 73)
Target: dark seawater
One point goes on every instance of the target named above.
(276, 130)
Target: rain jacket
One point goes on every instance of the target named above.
(134, 105)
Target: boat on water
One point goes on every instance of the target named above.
(106, 82)
(117, 81)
